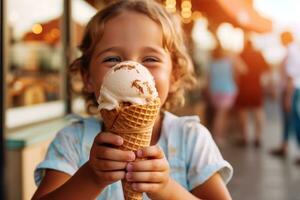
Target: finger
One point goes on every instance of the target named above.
(145, 187)
(110, 177)
(109, 138)
(108, 153)
(148, 177)
(108, 165)
(148, 165)
(150, 152)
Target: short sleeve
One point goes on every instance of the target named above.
(203, 156)
(63, 153)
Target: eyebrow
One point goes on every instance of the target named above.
(147, 48)
(155, 49)
(114, 48)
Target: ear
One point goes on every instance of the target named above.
(87, 81)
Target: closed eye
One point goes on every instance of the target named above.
(151, 59)
(112, 59)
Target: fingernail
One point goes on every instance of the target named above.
(128, 176)
(134, 186)
(132, 156)
(120, 141)
(139, 153)
(129, 167)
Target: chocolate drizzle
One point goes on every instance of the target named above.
(148, 87)
(126, 66)
(137, 85)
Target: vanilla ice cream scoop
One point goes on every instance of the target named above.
(128, 82)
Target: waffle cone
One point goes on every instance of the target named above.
(134, 123)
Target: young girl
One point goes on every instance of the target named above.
(222, 87)
(182, 162)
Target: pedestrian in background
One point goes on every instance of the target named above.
(250, 93)
(222, 88)
(290, 94)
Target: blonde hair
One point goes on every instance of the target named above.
(286, 37)
(173, 41)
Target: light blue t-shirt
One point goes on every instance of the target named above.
(222, 77)
(188, 146)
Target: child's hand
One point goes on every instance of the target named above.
(107, 162)
(150, 175)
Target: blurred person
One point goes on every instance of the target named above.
(290, 94)
(250, 93)
(223, 88)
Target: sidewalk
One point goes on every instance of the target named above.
(258, 175)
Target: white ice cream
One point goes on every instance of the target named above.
(126, 82)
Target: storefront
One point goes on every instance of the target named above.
(2, 92)
(38, 43)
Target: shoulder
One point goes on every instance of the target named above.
(77, 128)
(191, 137)
(187, 128)
(188, 124)
(73, 129)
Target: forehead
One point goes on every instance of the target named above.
(131, 26)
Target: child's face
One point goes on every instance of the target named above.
(131, 36)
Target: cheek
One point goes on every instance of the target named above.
(162, 83)
(96, 78)
(97, 82)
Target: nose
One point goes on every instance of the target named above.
(132, 54)
(133, 58)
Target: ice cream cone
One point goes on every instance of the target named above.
(134, 123)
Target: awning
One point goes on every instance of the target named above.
(240, 13)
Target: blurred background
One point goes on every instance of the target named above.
(240, 49)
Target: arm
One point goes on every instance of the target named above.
(288, 95)
(181, 192)
(59, 185)
(105, 166)
(289, 86)
(213, 189)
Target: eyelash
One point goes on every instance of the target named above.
(111, 59)
(118, 59)
(153, 59)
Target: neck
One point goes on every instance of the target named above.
(156, 129)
